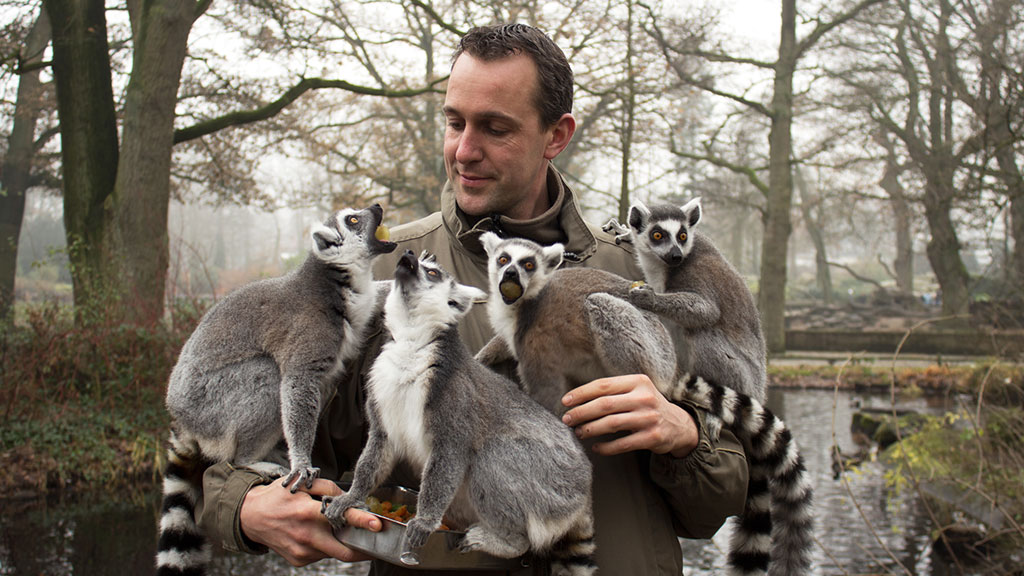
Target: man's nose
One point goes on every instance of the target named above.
(469, 149)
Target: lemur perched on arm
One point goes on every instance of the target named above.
(260, 367)
(566, 327)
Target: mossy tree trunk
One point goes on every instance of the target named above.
(89, 147)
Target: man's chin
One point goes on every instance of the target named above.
(475, 202)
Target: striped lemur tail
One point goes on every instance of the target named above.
(774, 532)
(182, 549)
(573, 555)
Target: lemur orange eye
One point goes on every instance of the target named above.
(682, 236)
(432, 272)
(657, 235)
(503, 260)
(353, 220)
(528, 266)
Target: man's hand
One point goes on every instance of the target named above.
(292, 525)
(630, 404)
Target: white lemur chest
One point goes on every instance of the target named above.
(398, 384)
(359, 307)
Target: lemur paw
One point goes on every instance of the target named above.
(621, 233)
(417, 532)
(334, 508)
(641, 295)
(301, 477)
(467, 545)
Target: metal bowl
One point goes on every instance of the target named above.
(441, 551)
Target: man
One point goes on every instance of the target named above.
(656, 474)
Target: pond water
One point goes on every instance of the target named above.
(860, 526)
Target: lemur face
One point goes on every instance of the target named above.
(664, 231)
(517, 267)
(428, 292)
(351, 235)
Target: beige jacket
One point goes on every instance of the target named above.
(642, 501)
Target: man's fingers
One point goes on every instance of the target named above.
(596, 389)
(322, 487)
(363, 519)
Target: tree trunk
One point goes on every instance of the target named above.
(903, 263)
(629, 110)
(88, 130)
(139, 205)
(16, 171)
(808, 205)
(777, 220)
(944, 250)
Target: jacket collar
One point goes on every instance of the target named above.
(562, 222)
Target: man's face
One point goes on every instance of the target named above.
(496, 149)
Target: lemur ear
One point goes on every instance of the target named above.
(692, 210)
(325, 240)
(464, 296)
(553, 255)
(489, 240)
(638, 216)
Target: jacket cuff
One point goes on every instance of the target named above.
(224, 490)
(706, 486)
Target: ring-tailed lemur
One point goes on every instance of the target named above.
(714, 320)
(567, 327)
(259, 367)
(489, 457)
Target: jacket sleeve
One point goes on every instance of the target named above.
(218, 510)
(707, 486)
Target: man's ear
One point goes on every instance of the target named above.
(560, 133)
(638, 215)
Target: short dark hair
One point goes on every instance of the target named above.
(554, 76)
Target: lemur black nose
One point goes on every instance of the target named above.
(510, 274)
(675, 256)
(408, 261)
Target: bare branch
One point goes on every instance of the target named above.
(243, 117)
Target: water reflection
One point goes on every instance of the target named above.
(860, 526)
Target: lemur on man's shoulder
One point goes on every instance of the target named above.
(712, 315)
(260, 366)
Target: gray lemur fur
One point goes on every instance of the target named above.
(489, 457)
(260, 367)
(567, 327)
(713, 318)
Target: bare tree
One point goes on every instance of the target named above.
(779, 111)
(16, 172)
